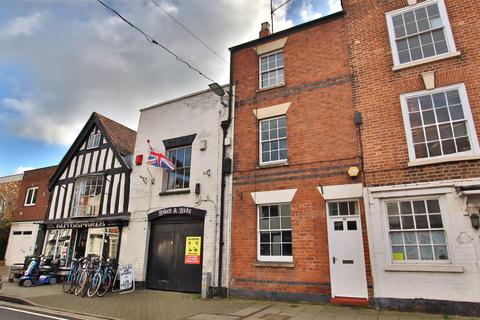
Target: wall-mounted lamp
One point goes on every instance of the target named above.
(475, 220)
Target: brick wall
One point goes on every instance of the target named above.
(34, 178)
(376, 88)
(322, 144)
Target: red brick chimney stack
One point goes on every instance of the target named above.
(265, 30)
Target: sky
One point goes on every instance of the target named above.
(60, 60)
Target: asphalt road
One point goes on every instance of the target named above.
(8, 312)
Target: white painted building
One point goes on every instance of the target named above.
(441, 261)
(167, 207)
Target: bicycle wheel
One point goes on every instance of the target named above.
(94, 284)
(81, 283)
(68, 282)
(105, 285)
(85, 285)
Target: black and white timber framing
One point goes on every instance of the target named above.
(106, 159)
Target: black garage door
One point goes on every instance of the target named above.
(170, 267)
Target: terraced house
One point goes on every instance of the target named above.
(416, 83)
(298, 228)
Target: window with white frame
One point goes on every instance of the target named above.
(87, 195)
(439, 123)
(180, 177)
(94, 141)
(274, 233)
(416, 231)
(31, 196)
(271, 69)
(273, 140)
(419, 32)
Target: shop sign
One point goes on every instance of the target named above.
(398, 256)
(126, 276)
(193, 247)
(78, 225)
(174, 210)
(188, 211)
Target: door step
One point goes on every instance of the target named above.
(349, 301)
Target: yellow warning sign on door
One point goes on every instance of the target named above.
(193, 247)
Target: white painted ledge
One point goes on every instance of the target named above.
(428, 60)
(275, 196)
(270, 46)
(341, 191)
(272, 111)
(423, 268)
(416, 163)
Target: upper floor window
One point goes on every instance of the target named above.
(273, 140)
(416, 231)
(94, 141)
(180, 178)
(31, 196)
(86, 200)
(271, 69)
(274, 233)
(419, 32)
(439, 123)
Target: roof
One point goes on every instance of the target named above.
(122, 137)
(11, 178)
(285, 32)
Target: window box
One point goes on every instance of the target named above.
(420, 33)
(439, 125)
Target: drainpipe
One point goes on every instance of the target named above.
(225, 126)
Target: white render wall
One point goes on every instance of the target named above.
(201, 114)
(457, 281)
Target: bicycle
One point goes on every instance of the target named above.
(107, 279)
(69, 281)
(96, 280)
(85, 278)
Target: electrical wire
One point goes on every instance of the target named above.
(190, 32)
(153, 41)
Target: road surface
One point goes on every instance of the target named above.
(14, 312)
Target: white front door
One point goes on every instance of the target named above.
(345, 245)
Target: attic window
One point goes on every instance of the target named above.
(93, 141)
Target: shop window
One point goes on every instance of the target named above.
(86, 201)
(439, 123)
(59, 246)
(103, 242)
(31, 196)
(273, 140)
(271, 69)
(94, 141)
(274, 233)
(420, 32)
(416, 231)
(180, 178)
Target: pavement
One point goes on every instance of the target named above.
(162, 305)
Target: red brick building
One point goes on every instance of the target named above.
(297, 231)
(415, 69)
(32, 206)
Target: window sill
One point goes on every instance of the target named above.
(29, 205)
(272, 87)
(174, 192)
(423, 268)
(425, 61)
(416, 163)
(273, 264)
(273, 164)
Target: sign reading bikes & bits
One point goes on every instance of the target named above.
(177, 211)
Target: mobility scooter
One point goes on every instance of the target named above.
(39, 272)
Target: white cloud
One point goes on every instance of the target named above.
(86, 59)
(22, 26)
(307, 11)
(22, 169)
(334, 5)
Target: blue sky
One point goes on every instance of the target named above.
(62, 60)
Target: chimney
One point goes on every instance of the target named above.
(265, 31)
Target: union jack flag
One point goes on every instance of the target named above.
(157, 159)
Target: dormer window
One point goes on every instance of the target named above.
(93, 141)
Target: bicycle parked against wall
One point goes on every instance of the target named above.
(102, 280)
(88, 269)
(69, 282)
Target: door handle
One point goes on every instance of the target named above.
(334, 260)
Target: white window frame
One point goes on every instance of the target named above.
(31, 193)
(169, 172)
(472, 134)
(94, 141)
(260, 86)
(389, 251)
(260, 153)
(452, 50)
(78, 190)
(273, 258)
